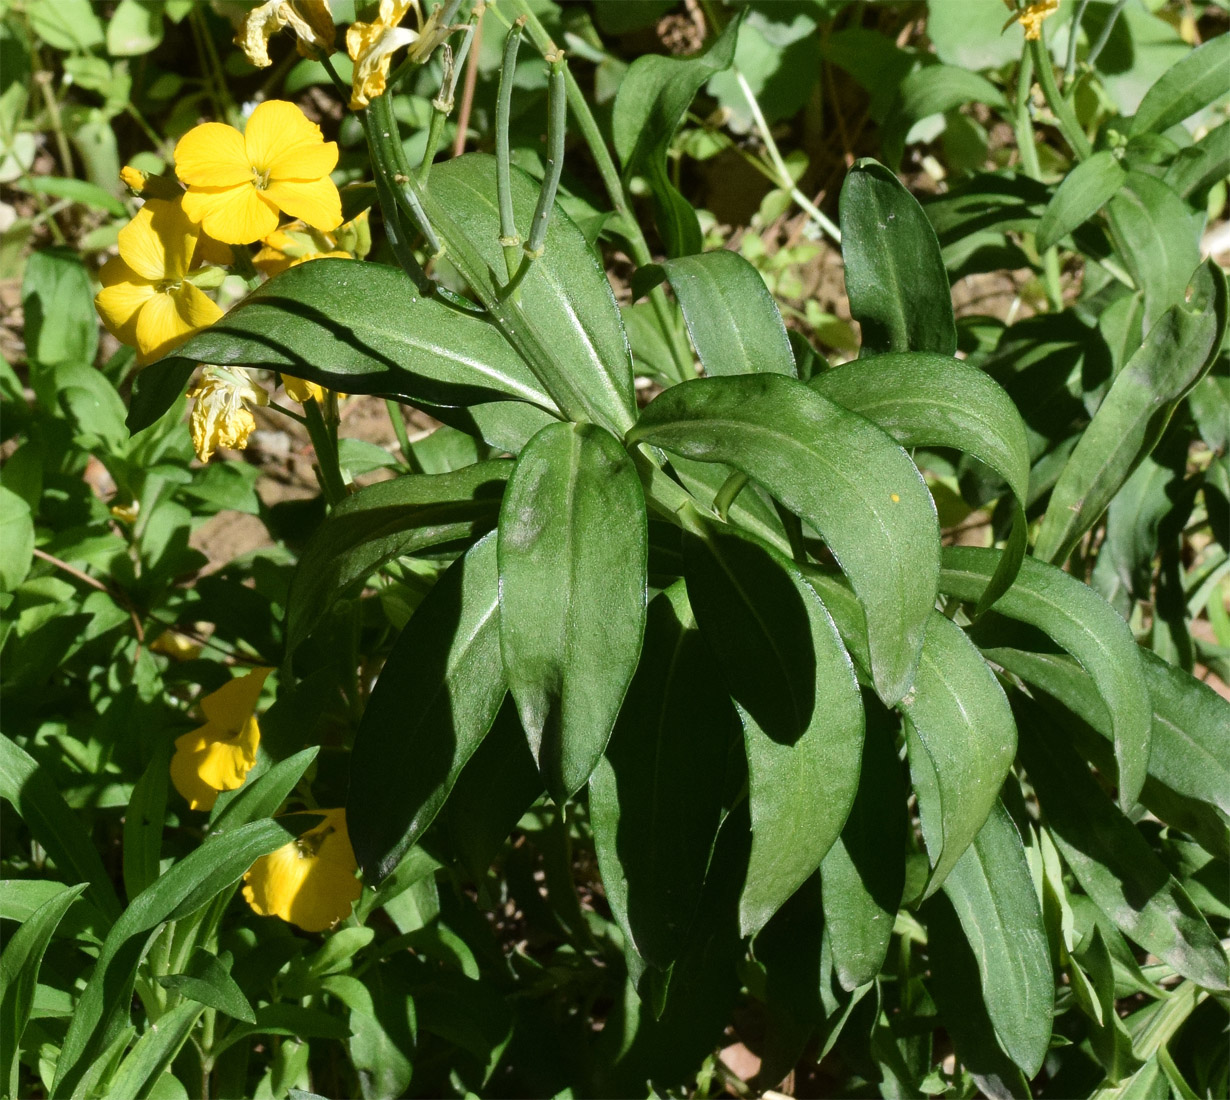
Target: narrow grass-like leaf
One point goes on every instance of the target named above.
(1177, 351)
(1084, 191)
(1193, 82)
(992, 891)
(437, 695)
(154, 1051)
(802, 713)
(573, 559)
(735, 326)
(895, 275)
(962, 722)
(144, 821)
(384, 521)
(926, 400)
(264, 795)
(1087, 627)
(838, 472)
(1112, 860)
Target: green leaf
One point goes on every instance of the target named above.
(573, 555)
(734, 323)
(38, 802)
(1190, 84)
(80, 191)
(1087, 627)
(356, 327)
(961, 722)
(933, 90)
(992, 891)
(1201, 165)
(1113, 862)
(783, 660)
(927, 400)
(839, 473)
(262, 795)
(1177, 351)
(154, 1051)
(135, 28)
(1084, 191)
(143, 823)
(16, 540)
(895, 276)
(382, 522)
(60, 324)
(104, 1004)
(65, 24)
(863, 873)
(435, 700)
(19, 966)
(653, 97)
(208, 981)
(655, 799)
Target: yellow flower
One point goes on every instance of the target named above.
(177, 646)
(146, 300)
(1032, 17)
(301, 390)
(220, 415)
(219, 755)
(311, 21)
(237, 182)
(371, 46)
(310, 881)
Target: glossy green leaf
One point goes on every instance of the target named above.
(1084, 191)
(262, 795)
(653, 97)
(863, 873)
(1087, 627)
(154, 1051)
(839, 473)
(384, 521)
(655, 799)
(144, 821)
(1177, 351)
(573, 555)
(208, 981)
(961, 721)
(1113, 862)
(103, 1006)
(926, 400)
(436, 698)
(19, 967)
(992, 891)
(34, 795)
(895, 276)
(353, 327)
(734, 323)
(785, 666)
(1187, 86)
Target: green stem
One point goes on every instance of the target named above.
(557, 125)
(328, 472)
(510, 239)
(1028, 147)
(730, 489)
(1074, 27)
(1069, 126)
(434, 132)
(1095, 51)
(399, 430)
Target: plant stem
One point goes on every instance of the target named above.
(1074, 27)
(1027, 146)
(399, 430)
(509, 237)
(324, 441)
(557, 123)
(1064, 114)
(1096, 49)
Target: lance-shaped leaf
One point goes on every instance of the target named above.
(1084, 191)
(1193, 82)
(863, 873)
(895, 275)
(1112, 860)
(655, 799)
(926, 400)
(1128, 424)
(735, 326)
(354, 327)
(802, 713)
(154, 1051)
(838, 472)
(573, 561)
(1087, 627)
(992, 891)
(960, 720)
(382, 522)
(437, 695)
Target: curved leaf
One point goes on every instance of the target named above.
(154, 1051)
(436, 698)
(382, 522)
(802, 713)
(1177, 351)
(573, 560)
(1084, 191)
(1088, 628)
(1193, 82)
(926, 400)
(353, 327)
(839, 473)
(895, 276)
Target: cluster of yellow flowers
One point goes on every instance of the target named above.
(309, 882)
(1031, 17)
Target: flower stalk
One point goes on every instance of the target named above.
(510, 239)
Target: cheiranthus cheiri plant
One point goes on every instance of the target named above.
(770, 742)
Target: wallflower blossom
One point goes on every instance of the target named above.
(220, 414)
(237, 182)
(311, 21)
(146, 300)
(218, 756)
(1032, 17)
(296, 243)
(371, 46)
(310, 881)
(301, 390)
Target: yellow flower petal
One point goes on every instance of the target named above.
(119, 302)
(299, 389)
(170, 317)
(233, 215)
(235, 701)
(316, 202)
(279, 134)
(220, 417)
(259, 25)
(212, 155)
(157, 244)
